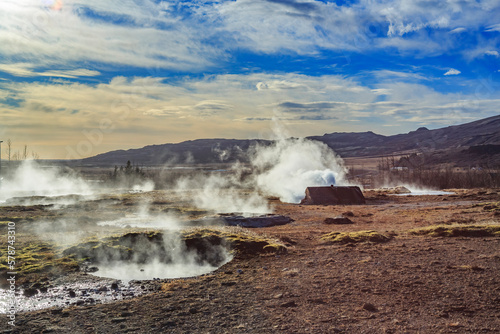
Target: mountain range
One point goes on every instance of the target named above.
(476, 142)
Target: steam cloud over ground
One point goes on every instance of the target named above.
(31, 179)
(288, 167)
(284, 169)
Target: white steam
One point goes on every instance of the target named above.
(168, 258)
(224, 193)
(31, 179)
(289, 166)
(284, 169)
(416, 190)
(127, 271)
(145, 186)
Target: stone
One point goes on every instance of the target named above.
(289, 304)
(370, 307)
(338, 221)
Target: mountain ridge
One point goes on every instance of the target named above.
(454, 138)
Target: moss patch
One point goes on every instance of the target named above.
(119, 247)
(239, 241)
(36, 261)
(458, 231)
(355, 237)
(208, 244)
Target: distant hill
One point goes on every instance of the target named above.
(483, 132)
(466, 143)
(200, 151)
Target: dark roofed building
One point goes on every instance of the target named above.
(333, 195)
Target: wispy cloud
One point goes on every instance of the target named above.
(196, 35)
(492, 53)
(452, 71)
(28, 70)
(154, 38)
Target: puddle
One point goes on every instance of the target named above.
(86, 292)
(144, 221)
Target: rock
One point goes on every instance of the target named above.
(348, 214)
(72, 293)
(401, 190)
(255, 221)
(56, 311)
(338, 221)
(289, 304)
(114, 286)
(30, 292)
(370, 307)
(228, 283)
(54, 329)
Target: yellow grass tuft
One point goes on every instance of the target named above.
(355, 237)
(458, 231)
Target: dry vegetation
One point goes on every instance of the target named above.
(355, 237)
(417, 170)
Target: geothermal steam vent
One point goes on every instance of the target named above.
(333, 195)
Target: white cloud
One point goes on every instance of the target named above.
(191, 36)
(458, 30)
(398, 75)
(149, 37)
(452, 71)
(492, 53)
(28, 70)
(18, 69)
(493, 28)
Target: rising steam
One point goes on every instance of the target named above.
(289, 166)
(284, 169)
(225, 192)
(31, 179)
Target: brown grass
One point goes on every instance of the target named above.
(458, 231)
(355, 237)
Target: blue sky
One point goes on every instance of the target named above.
(78, 78)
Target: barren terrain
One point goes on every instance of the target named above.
(401, 277)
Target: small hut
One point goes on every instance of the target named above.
(333, 195)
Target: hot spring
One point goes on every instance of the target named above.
(151, 255)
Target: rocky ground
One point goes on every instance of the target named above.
(396, 280)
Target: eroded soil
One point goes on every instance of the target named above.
(406, 284)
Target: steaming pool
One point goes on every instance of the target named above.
(113, 281)
(127, 271)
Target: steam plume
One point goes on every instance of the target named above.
(30, 179)
(286, 168)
